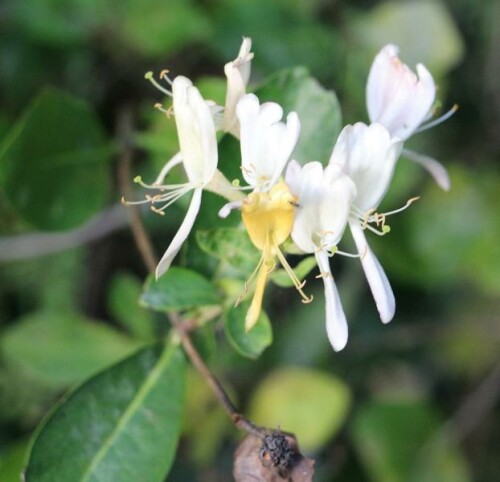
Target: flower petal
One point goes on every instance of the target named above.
(237, 73)
(375, 275)
(336, 323)
(266, 141)
(181, 234)
(435, 168)
(395, 96)
(196, 131)
(368, 155)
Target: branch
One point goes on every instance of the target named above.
(150, 260)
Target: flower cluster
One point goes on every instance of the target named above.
(312, 202)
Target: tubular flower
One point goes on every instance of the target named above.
(237, 73)
(324, 199)
(402, 101)
(267, 212)
(368, 154)
(198, 155)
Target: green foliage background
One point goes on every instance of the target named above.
(390, 407)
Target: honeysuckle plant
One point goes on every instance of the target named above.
(282, 205)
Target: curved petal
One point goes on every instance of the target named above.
(196, 131)
(266, 141)
(181, 234)
(375, 275)
(368, 155)
(336, 323)
(433, 167)
(237, 73)
(396, 97)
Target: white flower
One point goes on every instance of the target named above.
(268, 211)
(368, 154)
(237, 73)
(198, 155)
(396, 97)
(266, 141)
(324, 199)
(401, 101)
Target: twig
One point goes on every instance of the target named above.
(140, 236)
(150, 260)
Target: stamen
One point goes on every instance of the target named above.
(159, 107)
(438, 121)
(149, 76)
(291, 273)
(164, 75)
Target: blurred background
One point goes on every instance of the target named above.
(416, 400)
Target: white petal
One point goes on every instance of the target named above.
(395, 96)
(324, 200)
(237, 73)
(169, 165)
(368, 155)
(435, 168)
(266, 141)
(181, 234)
(225, 211)
(375, 275)
(196, 131)
(336, 323)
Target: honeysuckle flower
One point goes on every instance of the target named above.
(268, 211)
(324, 198)
(198, 155)
(237, 73)
(402, 101)
(368, 154)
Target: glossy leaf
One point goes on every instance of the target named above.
(57, 348)
(53, 163)
(248, 343)
(309, 403)
(123, 424)
(178, 289)
(318, 110)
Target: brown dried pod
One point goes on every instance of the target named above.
(273, 458)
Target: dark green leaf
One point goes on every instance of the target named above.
(248, 343)
(230, 245)
(53, 163)
(178, 289)
(318, 110)
(122, 425)
(58, 349)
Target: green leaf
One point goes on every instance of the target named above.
(281, 278)
(248, 343)
(397, 442)
(309, 403)
(12, 462)
(53, 163)
(231, 245)
(178, 289)
(122, 425)
(123, 303)
(58, 348)
(318, 109)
